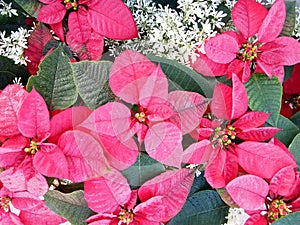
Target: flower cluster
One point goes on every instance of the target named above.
(144, 139)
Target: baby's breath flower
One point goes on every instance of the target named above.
(236, 216)
(13, 45)
(5, 9)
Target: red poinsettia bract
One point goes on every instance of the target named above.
(89, 21)
(230, 121)
(256, 47)
(267, 202)
(161, 198)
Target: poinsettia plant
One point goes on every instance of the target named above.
(86, 138)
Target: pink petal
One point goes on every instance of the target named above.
(247, 16)
(58, 30)
(159, 111)
(91, 49)
(239, 98)
(257, 219)
(78, 25)
(273, 22)
(14, 180)
(240, 68)
(249, 192)
(128, 74)
(271, 69)
(107, 193)
(221, 104)
(190, 107)
(119, 154)
(84, 155)
(67, 120)
(11, 219)
(251, 120)
(25, 200)
(112, 19)
(207, 67)
(36, 42)
(11, 99)
(282, 183)
(174, 186)
(53, 13)
(51, 161)
(103, 219)
(262, 159)
(281, 51)
(11, 151)
(222, 48)
(258, 134)
(163, 143)
(197, 153)
(153, 87)
(33, 116)
(112, 119)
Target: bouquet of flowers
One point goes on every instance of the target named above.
(149, 112)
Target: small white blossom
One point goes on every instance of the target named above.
(236, 216)
(13, 45)
(17, 80)
(5, 9)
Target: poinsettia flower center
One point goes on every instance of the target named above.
(248, 52)
(33, 148)
(4, 203)
(225, 136)
(70, 4)
(125, 216)
(140, 114)
(277, 209)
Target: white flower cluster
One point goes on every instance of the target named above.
(236, 216)
(6, 9)
(173, 33)
(296, 32)
(13, 45)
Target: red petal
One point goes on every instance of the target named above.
(163, 143)
(11, 99)
(174, 186)
(107, 193)
(33, 116)
(78, 25)
(11, 219)
(257, 219)
(249, 192)
(67, 120)
(241, 69)
(190, 107)
(221, 104)
(258, 134)
(273, 22)
(53, 13)
(128, 75)
(84, 155)
(159, 111)
(239, 98)
(58, 30)
(50, 161)
(281, 51)
(207, 67)
(272, 69)
(222, 48)
(25, 201)
(283, 182)
(262, 159)
(247, 16)
(197, 153)
(251, 120)
(112, 19)
(119, 154)
(36, 43)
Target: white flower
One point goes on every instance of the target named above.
(5, 9)
(236, 216)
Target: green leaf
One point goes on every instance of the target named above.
(92, 81)
(291, 219)
(289, 24)
(145, 168)
(182, 77)
(32, 7)
(9, 71)
(296, 119)
(294, 148)
(55, 80)
(288, 70)
(199, 184)
(202, 208)
(264, 94)
(71, 206)
(288, 130)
